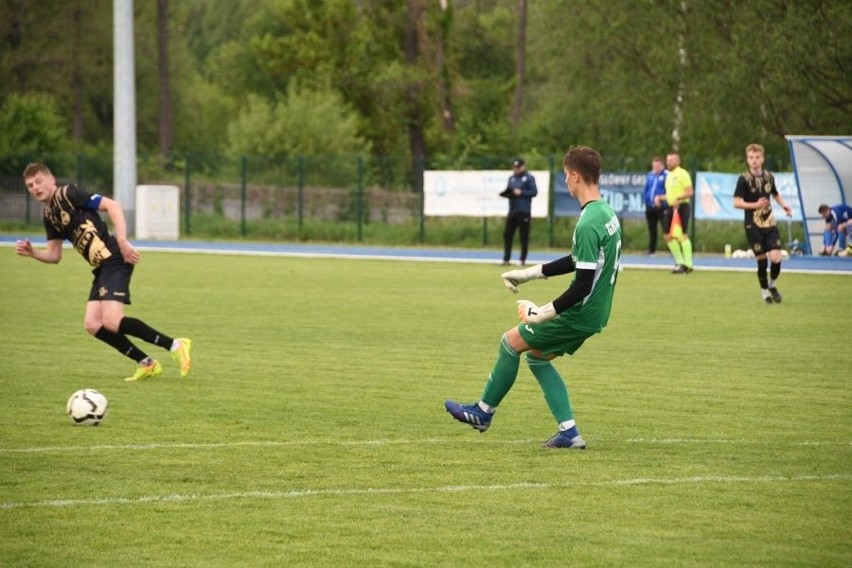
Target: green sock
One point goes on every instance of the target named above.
(674, 246)
(686, 245)
(503, 374)
(555, 391)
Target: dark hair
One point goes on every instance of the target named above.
(585, 161)
(823, 208)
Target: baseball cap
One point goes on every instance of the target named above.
(517, 162)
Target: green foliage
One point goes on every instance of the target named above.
(304, 122)
(320, 439)
(31, 125)
(752, 72)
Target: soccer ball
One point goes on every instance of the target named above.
(86, 407)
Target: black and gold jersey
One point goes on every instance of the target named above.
(751, 188)
(72, 214)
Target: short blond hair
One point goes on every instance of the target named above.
(754, 148)
(34, 169)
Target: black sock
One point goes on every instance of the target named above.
(761, 273)
(120, 343)
(138, 328)
(774, 270)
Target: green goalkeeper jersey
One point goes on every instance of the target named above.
(596, 246)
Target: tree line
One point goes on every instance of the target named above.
(438, 82)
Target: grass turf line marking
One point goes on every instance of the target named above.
(304, 493)
(272, 443)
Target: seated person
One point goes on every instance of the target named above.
(837, 236)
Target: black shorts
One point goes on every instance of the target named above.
(763, 240)
(112, 281)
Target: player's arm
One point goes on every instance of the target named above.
(739, 192)
(563, 265)
(581, 287)
(119, 228)
(51, 254)
(780, 201)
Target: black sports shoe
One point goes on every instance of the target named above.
(680, 269)
(776, 295)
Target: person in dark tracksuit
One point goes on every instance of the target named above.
(520, 190)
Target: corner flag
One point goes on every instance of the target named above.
(676, 228)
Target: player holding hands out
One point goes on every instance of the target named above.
(559, 327)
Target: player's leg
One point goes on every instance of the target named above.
(115, 291)
(672, 243)
(178, 347)
(94, 326)
(829, 236)
(509, 236)
(145, 366)
(755, 239)
(651, 220)
(113, 314)
(685, 243)
(772, 243)
(848, 250)
(551, 340)
(762, 279)
(842, 238)
(556, 395)
(525, 236)
(500, 381)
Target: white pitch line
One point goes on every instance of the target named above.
(303, 493)
(387, 442)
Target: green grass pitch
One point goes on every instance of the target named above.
(311, 430)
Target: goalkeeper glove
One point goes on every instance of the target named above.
(530, 313)
(514, 277)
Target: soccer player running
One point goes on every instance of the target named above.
(679, 190)
(560, 326)
(754, 188)
(72, 213)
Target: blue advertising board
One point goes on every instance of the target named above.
(622, 190)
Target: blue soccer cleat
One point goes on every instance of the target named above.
(469, 414)
(569, 439)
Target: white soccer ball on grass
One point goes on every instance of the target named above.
(87, 407)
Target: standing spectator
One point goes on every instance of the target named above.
(655, 184)
(563, 325)
(73, 213)
(837, 237)
(678, 193)
(754, 188)
(520, 190)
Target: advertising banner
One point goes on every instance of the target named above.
(477, 193)
(714, 196)
(622, 190)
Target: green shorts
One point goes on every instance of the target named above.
(554, 337)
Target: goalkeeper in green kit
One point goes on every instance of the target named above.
(563, 325)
